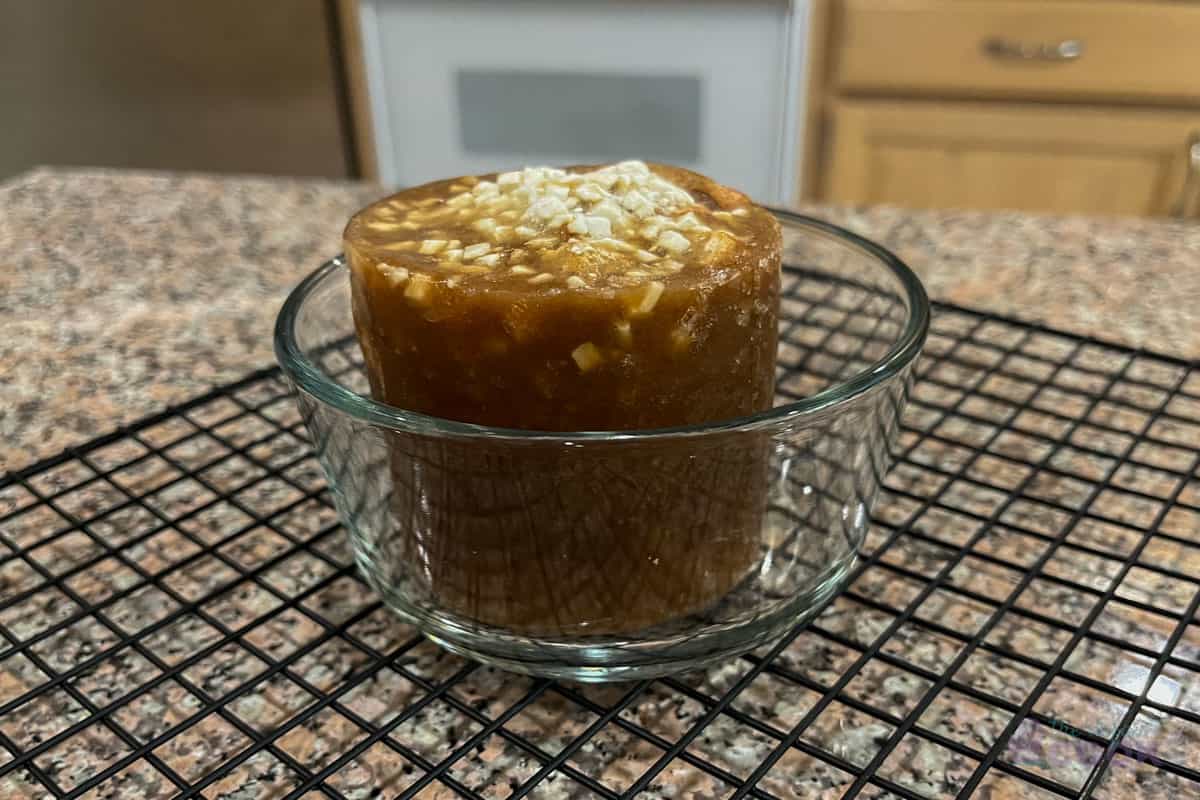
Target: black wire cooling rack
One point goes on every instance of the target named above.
(180, 615)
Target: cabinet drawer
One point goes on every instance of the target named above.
(1021, 48)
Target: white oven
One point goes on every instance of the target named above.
(465, 86)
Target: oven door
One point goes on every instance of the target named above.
(468, 86)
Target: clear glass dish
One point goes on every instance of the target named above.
(781, 499)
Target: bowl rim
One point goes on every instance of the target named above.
(308, 378)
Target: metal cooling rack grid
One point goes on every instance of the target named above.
(181, 618)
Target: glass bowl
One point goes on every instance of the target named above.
(602, 555)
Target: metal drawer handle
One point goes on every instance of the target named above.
(1066, 50)
(1190, 194)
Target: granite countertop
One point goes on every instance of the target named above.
(123, 292)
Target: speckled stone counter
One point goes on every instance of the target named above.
(225, 582)
(122, 292)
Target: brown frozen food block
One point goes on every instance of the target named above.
(620, 297)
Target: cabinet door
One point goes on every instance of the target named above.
(968, 155)
(218, 85)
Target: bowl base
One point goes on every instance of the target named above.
(610, 659)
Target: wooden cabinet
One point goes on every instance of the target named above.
(219, 85)
(1038, 157)
(1066, 50)
(1087, 106)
